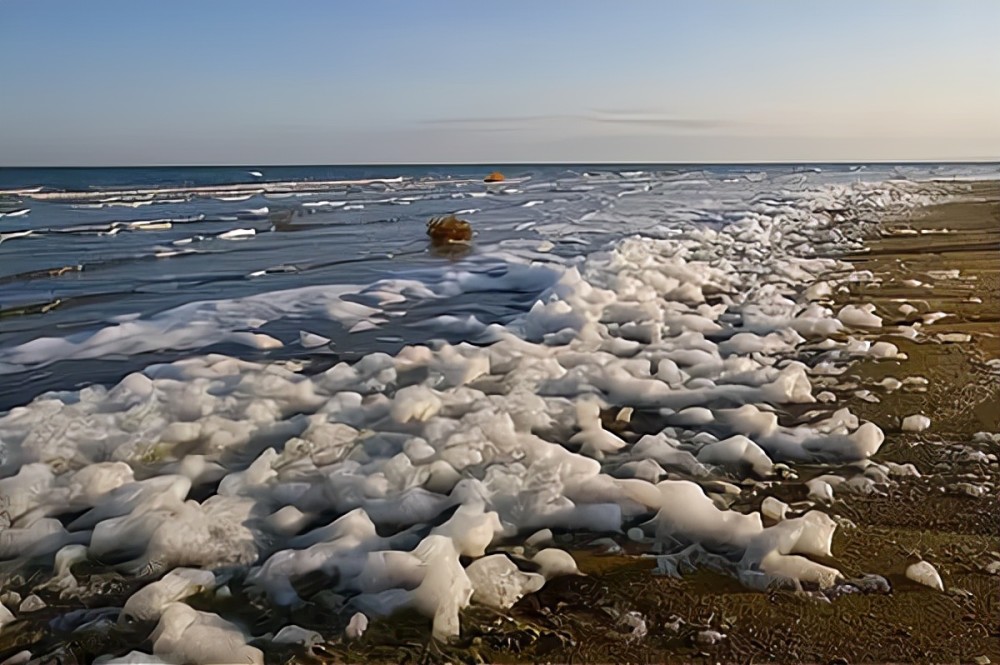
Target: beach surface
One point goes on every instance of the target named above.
(949, 516)
(598, 401)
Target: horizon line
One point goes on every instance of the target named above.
(259, 165)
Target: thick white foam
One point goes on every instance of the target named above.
(700, 328)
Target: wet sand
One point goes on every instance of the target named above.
(934, 517)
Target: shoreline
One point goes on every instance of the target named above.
(591, 618)
(929, 518)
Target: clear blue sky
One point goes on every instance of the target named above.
(269, 82)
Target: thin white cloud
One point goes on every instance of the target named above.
(650, 119)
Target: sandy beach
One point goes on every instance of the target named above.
(933, 277)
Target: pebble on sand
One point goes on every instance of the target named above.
(6, 616)
(357, 626)
(924, 573)
(916, 423)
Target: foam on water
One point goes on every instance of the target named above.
(415, 463)
(200, 324)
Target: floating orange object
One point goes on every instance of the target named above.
(448, 230)
(496, 176)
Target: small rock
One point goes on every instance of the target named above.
(5, 615)
(871, 583)
(773, 509)
(916, 423)
(357, 626)
(993, 568)
(10, 598)
(890, 383)
(820, 490)
(981, 660)
(32, 604)
(924, 573)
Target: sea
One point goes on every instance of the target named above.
(84, 249)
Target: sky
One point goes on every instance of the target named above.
(359, 82)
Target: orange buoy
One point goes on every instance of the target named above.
(496, 176)
(449, 230)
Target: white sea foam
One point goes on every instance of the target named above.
(201, 324)
(255, 212)
(237, 234)
(324, 204)
(15, 234)
(696, 328)
(191, 326)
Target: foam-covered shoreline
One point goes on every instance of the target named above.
(711, 330)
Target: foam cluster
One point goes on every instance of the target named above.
(398, 477)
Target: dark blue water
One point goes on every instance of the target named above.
(73, 178)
